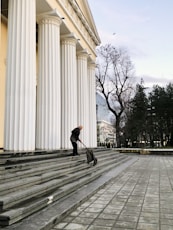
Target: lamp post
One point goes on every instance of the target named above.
(151, 114)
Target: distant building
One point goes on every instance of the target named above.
(106, 133)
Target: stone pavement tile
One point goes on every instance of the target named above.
(88, 214)
(152, 198)
(166, 195)
(166, 189)
(136, 199)
(166, 227)
(116, 228)
(151, 205)
(148, 209)
(167, 210)
(94, 210)
(106, 197)
(115, 207)
(166, 204)
(118, 199)
(103, 223)
(102, 201)
(64, 223)
(86, 204)
(125, 224)
(129, 218)
(73, 226)
(150, 214)
(82, 220)
(167, 222)
(166, 215)
(154, 190)
(122, 196)
(108, 216)
(137, 204)
(149, 220)
(113, 211)
(75, 213)
(92, 227)
(155, 203)
(68, 219)
(132, 208)
(60, 226)
(96, 205)
(130, 213)
(146, 226)
(139, 193)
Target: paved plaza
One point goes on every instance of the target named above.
(140, 197)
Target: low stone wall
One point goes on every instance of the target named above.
(146, 151)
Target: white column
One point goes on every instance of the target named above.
(83, 97)
(92, 106)
(21, 76)
(68, 89)
(49, 87)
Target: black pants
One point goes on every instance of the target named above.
(74, 148)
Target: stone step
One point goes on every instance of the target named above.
(14, 160)
(21, 183)
(36, 168)
(45, 182)
(39, 175)
(19, 157)
(26, 197)
(13, 164)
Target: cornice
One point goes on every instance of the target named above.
(83, 20)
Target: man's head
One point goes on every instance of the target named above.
(80, 127)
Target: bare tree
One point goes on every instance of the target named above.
(114, 74)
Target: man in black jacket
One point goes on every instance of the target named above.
(74, 138)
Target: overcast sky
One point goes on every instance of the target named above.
(145, 29)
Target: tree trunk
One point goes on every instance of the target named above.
(118, 136)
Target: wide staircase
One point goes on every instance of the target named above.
(34, 181)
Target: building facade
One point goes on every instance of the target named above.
(47, 66)
(106, 132)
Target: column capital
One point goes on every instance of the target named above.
(69, 38)
(50, 17)
(83, 53)
(92, 64)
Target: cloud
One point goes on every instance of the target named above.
(150, 81)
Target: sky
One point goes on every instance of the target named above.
(145, 29)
